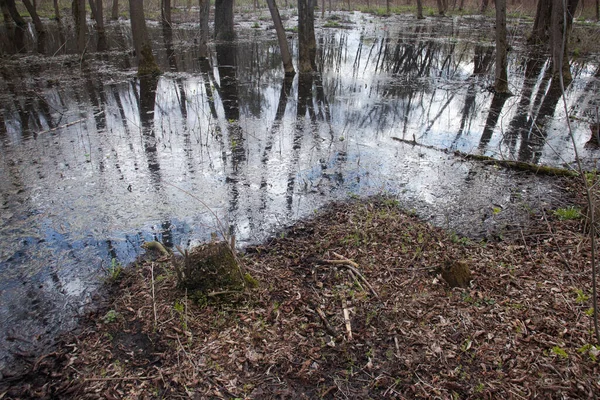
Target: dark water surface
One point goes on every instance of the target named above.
(94, 160)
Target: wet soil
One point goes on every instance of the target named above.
(351, 304)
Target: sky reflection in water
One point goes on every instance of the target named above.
(96, 160)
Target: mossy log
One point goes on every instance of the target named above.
(516, 165)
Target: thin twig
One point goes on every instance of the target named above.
(153, 298)
(351, 265)
(562, 256)
(123, 378)
(69, 124)
(346, 313)
(584, 180)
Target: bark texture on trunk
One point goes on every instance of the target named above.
(141, 41)
(5, 12)
(560, 27)
(420, 9)
(307, 44)
(37, 22)
(165, 11)
(78, 7)
(286, 57)
(115, 10)
(14, 13)
(56, 10)
(204, 6)
(501, 81)
(541, 24)
(224, 20)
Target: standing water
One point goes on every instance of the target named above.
(94, 160)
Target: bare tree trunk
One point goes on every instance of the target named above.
(461, 6)
(541, 24)
(56, 10)
(204, 6)
(501, 81)
(560, 26)
(224, 20)
(165, 11)
(484, 6)
(37, 22)
(5, 12)
(323, 8)
(141, 41)
(286, 57)
(115, 10)
(597, 10)
(387, 6)
(92, 9)
(99, 17)
(78, 7)
(307, 44)
(440, 5)
(420, 9)
(14, 13)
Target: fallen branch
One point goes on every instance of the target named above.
(346, 312)
(517, 165)
(352, 266)
(328, 327)
(69, 124)
(122, 378)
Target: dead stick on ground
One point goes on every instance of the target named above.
(347, 319)
(351, 265)
(122, 378)
(153, 298)
(328, 327)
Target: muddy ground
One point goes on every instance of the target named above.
(350, 304)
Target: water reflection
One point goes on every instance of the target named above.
(97, 160)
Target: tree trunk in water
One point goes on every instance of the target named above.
(39, 27)
(561, 22)
(56, 10)
(284, 49)
(115, 10)
(78, 7)
(92, 9)
(99, 16)
(440, 5)
(141, 41)
(484, 6)
(420, 9)
(541, 24)
(165, 11)
(204, 6)
(5, 13)
(307, 44)
(224, 20)
(501, 81)
(14, 13)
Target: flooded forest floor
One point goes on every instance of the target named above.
(352, 302)
(381, 323)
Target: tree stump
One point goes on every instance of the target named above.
(456, 273)
(209, 268)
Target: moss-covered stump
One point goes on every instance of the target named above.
(457, 273)
(210, 268)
